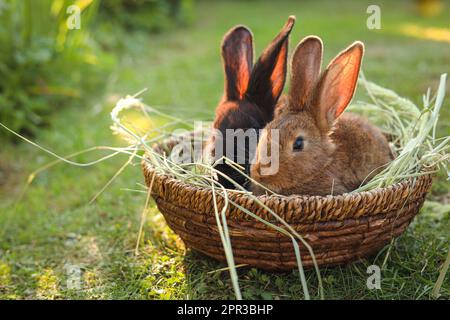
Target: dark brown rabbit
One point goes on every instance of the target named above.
(250, 95)
(320, 151)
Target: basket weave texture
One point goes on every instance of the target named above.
(340, 229)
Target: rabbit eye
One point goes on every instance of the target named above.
(298, 144)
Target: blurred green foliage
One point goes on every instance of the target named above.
(150, 15)
(43, 64)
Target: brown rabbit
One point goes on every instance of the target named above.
(250, 94)
(321, 152)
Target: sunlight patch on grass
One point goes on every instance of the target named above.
(427, 33)
(94, 284)
(47, 285)
(5, 275)
(164, 278)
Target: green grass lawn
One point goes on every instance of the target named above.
(51, 225)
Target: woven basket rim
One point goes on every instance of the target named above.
(426, 174)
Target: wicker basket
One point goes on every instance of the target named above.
(340, 229)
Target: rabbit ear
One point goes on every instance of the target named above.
(269, 73)
(237, 55)
(306, 63)
(337, 85)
